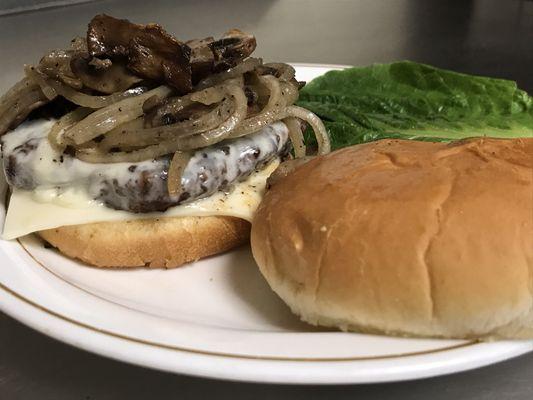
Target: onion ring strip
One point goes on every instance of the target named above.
(52, 88)
(108, 118)
(286, 71)
(120, 136)
(247, 65)
(176, 104)
(180, 143)
(21, 86)
(290, 93)
(171, 106)
(296, 136)
(55, 136)
(268, 113)
(39, 78)
(209, 96)
(223, 131)
(318, 127)
(175, 171)
(132, 134)
(18, 102)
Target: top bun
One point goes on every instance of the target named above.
(408, 238)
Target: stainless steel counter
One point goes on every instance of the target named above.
(490, 37)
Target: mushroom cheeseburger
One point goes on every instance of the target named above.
(132, 148)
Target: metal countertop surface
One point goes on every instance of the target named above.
(487, 37)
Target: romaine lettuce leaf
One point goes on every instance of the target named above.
(416, 101)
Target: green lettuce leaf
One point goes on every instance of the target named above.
(415, 101)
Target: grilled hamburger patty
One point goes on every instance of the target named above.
(30, 163)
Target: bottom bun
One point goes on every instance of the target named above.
(154, 243)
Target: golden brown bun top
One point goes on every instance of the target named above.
(406, 237)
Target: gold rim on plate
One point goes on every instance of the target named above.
(197, 351)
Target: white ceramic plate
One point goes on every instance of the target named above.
(216, 318)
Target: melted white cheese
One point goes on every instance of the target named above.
(50, 206)
(30, 211)
(49, 169)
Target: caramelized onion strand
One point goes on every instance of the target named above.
(296, 136)
(175, 171)
(108, 118)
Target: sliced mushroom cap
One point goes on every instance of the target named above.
(152, 58)
(202, 58)
(151, 52)
(108, 36)
(233, 47)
